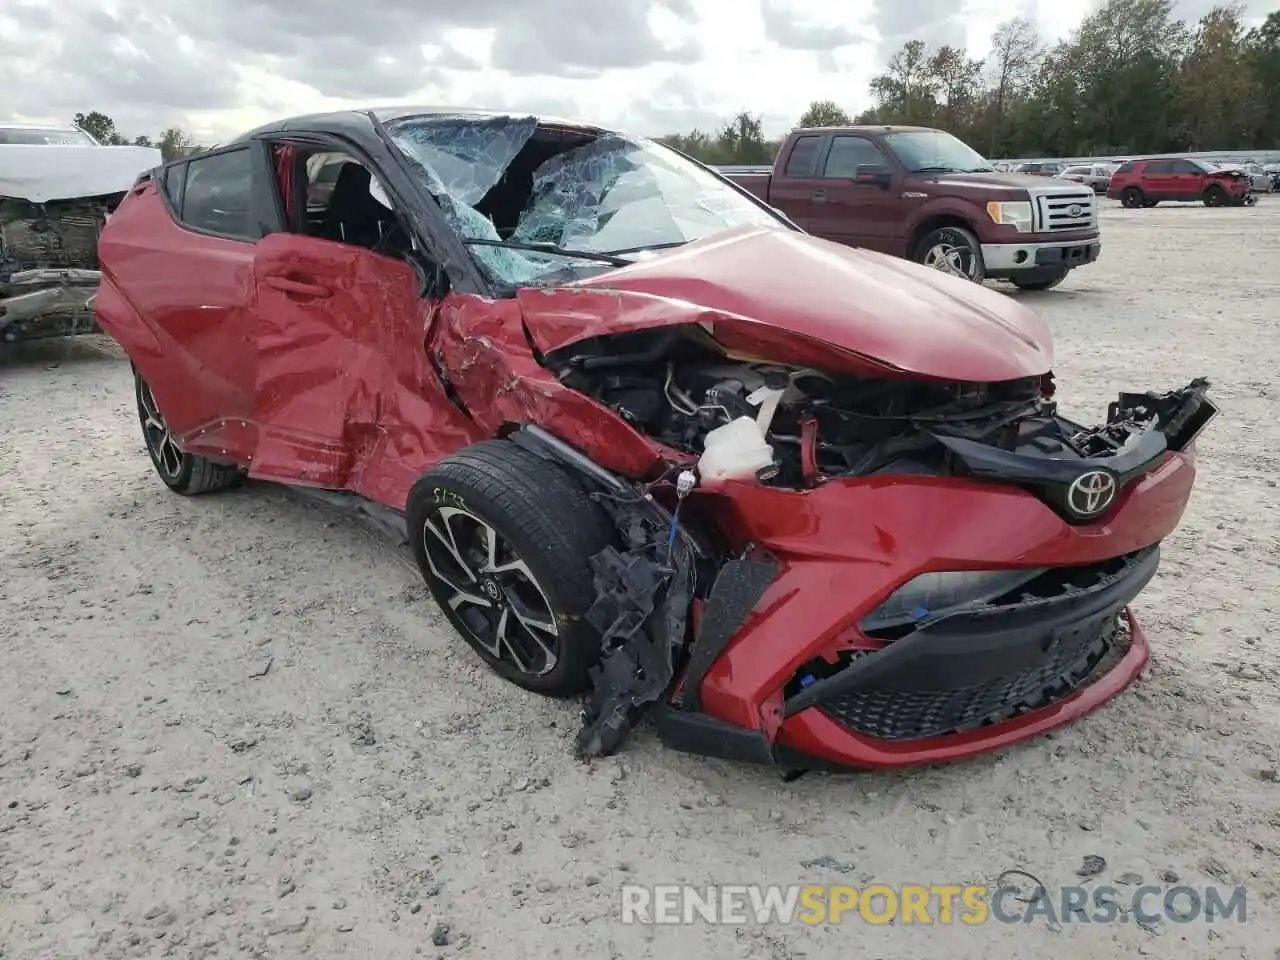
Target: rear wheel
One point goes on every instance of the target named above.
(1132, 198)
(952, 250)
(1215, 196)
(1041, 281)
(504, 539)
(181, 472)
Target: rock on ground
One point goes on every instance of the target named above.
(377, 793)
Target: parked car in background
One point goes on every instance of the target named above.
(1039, 168)
(1145, 183)
(924, 195)
(58, 185)
(1097, 176)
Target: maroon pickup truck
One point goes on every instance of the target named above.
(926, 196)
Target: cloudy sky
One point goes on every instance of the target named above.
(649, 66)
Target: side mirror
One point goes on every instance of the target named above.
(873, 175)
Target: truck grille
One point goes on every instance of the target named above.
(1066, 211)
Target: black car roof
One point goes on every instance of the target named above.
(356, 121)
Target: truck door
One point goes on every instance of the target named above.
(853, 207)
(793, 183)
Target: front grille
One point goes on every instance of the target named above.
(1067, 211)
(1082, 652)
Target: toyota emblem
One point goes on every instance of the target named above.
(1075, 210)
(1091, 493)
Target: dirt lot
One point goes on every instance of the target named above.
(376, 790)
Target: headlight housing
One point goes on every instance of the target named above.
(1011, 213)
(943, 592)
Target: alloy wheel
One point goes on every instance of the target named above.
(949, 258)
(491, 590)
(164, 449)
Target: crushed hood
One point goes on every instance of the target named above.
(42, 172)
(774, 283)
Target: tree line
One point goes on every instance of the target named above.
(1130, 79)
(173, 142)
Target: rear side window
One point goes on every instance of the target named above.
(849, 153)
(175, 176)
(1125, 167)
(216, 196)
(1160, 166)
(803, 154)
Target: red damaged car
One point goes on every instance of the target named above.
(648, 441)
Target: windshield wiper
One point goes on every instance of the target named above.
(935, 170)
(981, 170)
(550, 248)
(649, 246)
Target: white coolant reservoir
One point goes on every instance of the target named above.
(736, 451)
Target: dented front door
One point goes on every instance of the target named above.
(344, 395)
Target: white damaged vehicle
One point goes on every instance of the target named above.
(58, 185)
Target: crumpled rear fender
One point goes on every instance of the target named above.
(484, 353)
(117, 317)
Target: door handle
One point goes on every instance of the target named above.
(819, 195)
(298, 287)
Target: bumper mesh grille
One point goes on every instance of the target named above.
(1080, 654)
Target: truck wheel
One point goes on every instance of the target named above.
(1215, 196)
(1041, 281)
(183, 473)
(952, 250)
(1131, 198)
(504, 539)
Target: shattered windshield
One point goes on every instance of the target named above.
(934, 151)
(507, 184)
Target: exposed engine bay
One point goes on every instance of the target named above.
(49, 265)
(679, 386)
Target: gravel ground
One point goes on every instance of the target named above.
(235, 725)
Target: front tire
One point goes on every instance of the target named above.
(1041, 281)
(504, 539)
(952, 250)
(1215, 196)
(183, 473)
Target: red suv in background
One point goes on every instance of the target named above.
(1144, 183)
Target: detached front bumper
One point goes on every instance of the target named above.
(803, 683)
(981, 677)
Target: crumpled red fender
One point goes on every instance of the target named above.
(482, 349)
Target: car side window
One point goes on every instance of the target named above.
(1125, 167)
(1185, 166)
(803, 154)
(849, 153)
(1160, 166)
(175, 177)
(217, 194)
(334, 196)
